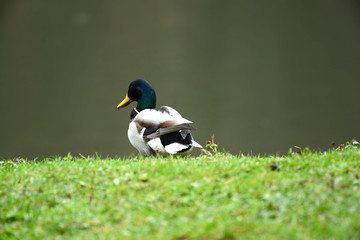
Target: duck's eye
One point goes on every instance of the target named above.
(134, 93)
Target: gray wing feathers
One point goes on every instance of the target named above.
(184, 129)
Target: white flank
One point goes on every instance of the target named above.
(175, 148)
(137, 140)
(156, 145)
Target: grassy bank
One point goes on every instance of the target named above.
(300, 196)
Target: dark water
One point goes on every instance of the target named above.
(262, 76)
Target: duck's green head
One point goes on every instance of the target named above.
(140, 91)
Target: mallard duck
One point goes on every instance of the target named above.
(154, 130)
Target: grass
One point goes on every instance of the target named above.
(306, 195)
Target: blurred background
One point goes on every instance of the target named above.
(262, 76)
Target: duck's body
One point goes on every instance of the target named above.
(153, 130)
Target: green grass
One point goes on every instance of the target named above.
(310, 195)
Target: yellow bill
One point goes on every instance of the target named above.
(124, 102)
